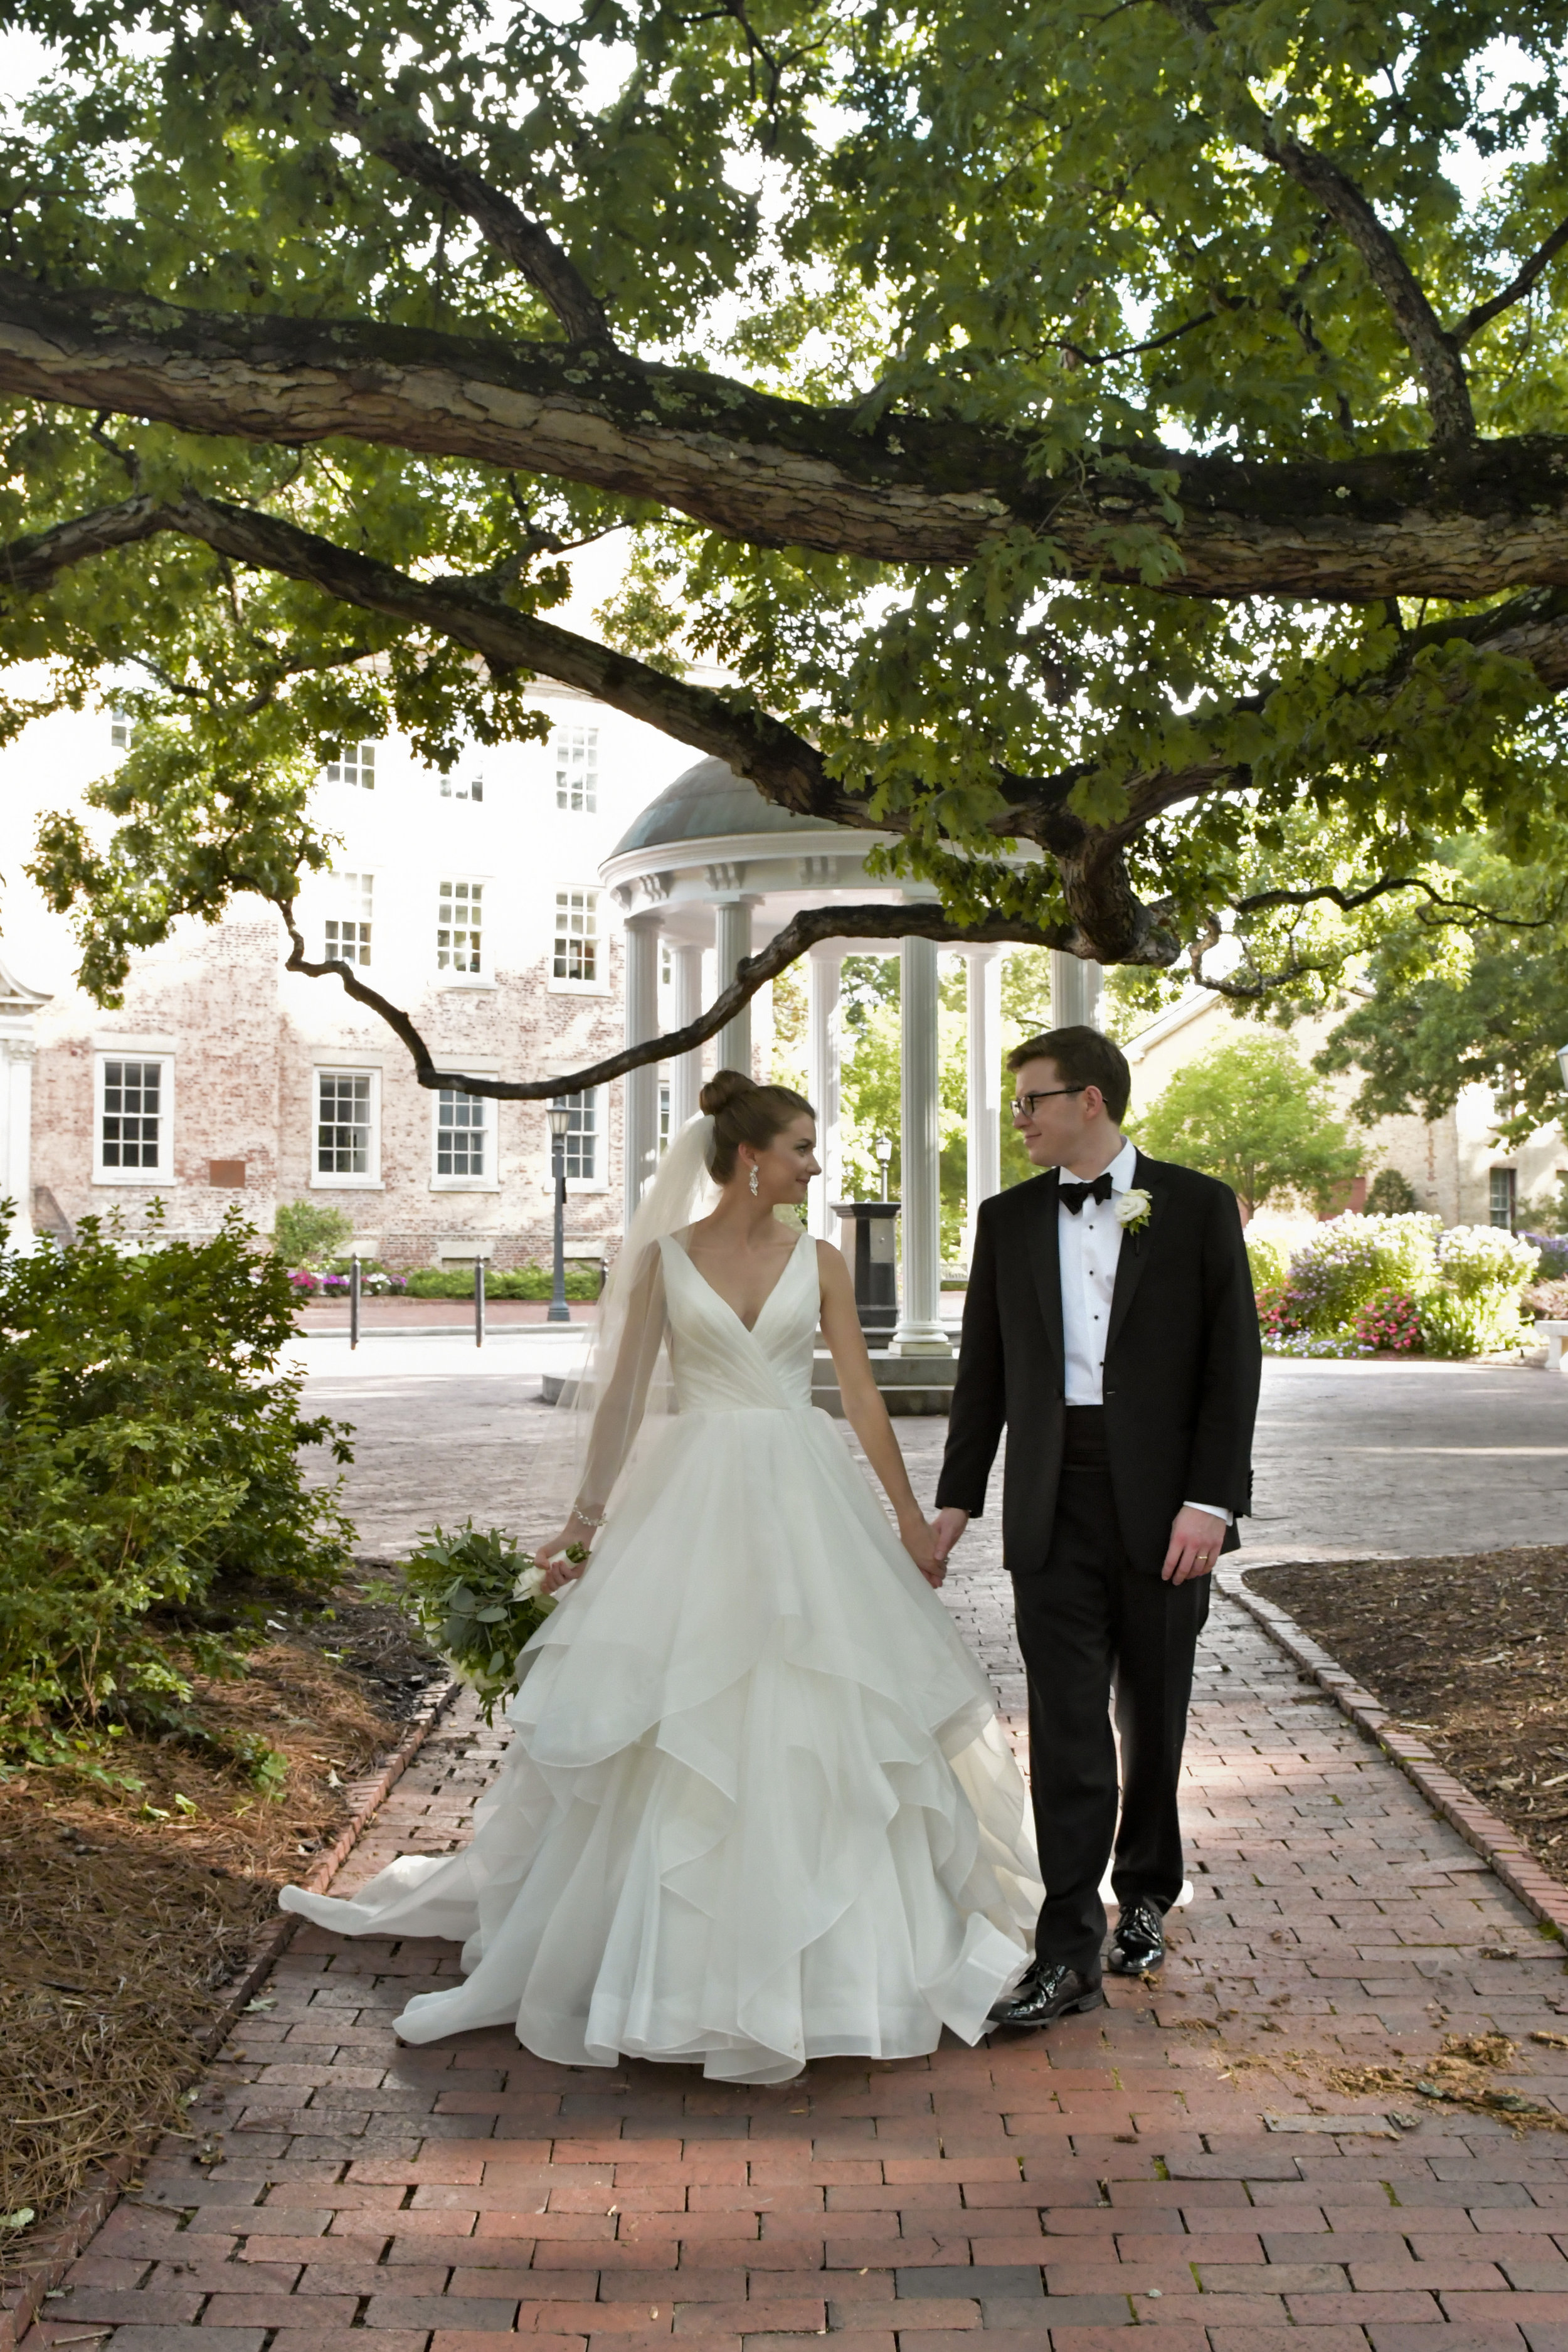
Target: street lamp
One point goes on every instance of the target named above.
(884, 1150)
(560, 1118)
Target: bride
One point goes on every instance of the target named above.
(757, 1807)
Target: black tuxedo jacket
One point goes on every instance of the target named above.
(1183, 1362)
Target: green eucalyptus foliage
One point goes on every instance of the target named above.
(462, 1592)
(1060, 224)
(152, 1499)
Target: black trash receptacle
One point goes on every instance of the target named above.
(870, 1243)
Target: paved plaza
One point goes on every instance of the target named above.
(1121, 2169)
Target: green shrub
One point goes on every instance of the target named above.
(1480, 1325)
(150, 1491)
(1391, 1194)
(307, 1233)
(1268, 1261)
(519, 1282)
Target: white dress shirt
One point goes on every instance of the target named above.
(1090, 1244)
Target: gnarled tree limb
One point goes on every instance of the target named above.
(915, 920)
(1462, 521)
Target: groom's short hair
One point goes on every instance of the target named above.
(1083, 1058)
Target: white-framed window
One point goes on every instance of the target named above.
(346, 1147)
(354, 765)
(463, 788)
(459, 928)
(584, 1150)
(664, 1106)
(134, 1126)
(465, 1151)
(1502, 1197)
(119, 728)
(346, 933)
(579, 950)
(577, 751)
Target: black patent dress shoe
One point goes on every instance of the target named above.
(1138, 1946)
(1051, 1990)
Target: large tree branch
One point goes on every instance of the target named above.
(916, 919)
(1462, 521)
(504, 225)
(1484, 312)
(1433, 348)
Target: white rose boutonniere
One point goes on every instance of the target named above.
(1133, 1210)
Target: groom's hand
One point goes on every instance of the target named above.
(947, 1528)
(1195, 1540)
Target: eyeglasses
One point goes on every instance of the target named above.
(1024, 1105)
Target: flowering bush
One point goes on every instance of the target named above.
(382, 1284)
(336, 1285)
(1318, 1343)
(1481, 1260)
(1348, 1260)
(1547, 1299)
(1552, 1249)
(1279, 1310)
(303, 1282)
(1389, 1323)
(1267, 1262)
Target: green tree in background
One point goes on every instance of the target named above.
(1123, 431)
(1252, 1114)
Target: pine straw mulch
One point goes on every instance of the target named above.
(1470, 1652)
(119, 1930)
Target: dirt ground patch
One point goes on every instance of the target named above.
(1471, 1652)
(125, 1912)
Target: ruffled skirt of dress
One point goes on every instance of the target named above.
(757, 1807)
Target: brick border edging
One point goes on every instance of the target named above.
(1545, 1898)
(68, 2238)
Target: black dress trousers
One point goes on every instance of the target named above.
(1089, 1624)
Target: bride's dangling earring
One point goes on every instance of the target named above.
(751, 1180)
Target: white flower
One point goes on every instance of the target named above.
(1134, 1209)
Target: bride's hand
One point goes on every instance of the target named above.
(918, 1539)
(551, 1557)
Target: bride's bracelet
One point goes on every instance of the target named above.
(589, 1518)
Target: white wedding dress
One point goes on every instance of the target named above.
(757, 1807)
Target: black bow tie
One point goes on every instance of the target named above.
(1074, 1195)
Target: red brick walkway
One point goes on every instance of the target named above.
(1116, 2170)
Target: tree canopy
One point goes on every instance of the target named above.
(1128, 433)
(1251, 1113)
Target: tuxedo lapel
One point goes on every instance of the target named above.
(1136, 1249)
(1046, 1263)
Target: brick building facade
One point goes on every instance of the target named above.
(473, 901)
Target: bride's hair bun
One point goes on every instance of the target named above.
(744, 1112)
(723, 1089)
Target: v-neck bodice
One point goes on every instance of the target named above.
(720, 1366)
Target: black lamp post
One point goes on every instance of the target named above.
(884, 1151)
(560, 1118)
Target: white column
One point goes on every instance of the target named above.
(824, 966)
(1075, 991)
(16, 1052)
(686, 1071)
(984, 1083)
(920, 1331)
(640, 1142)
(734, 944)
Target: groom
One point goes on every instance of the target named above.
(1111, 1325)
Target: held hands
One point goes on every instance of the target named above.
(1195, 1541)
(948, 1528)
(921, 1542)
